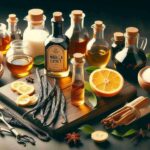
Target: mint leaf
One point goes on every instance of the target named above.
(148, 55)
(90, 69)
(39, 60)
(116, 133)
(86, 129)
(130, 132)
(87, 86)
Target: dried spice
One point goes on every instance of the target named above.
(72, 138)
(30, 79)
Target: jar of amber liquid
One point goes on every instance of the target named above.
(98, 52)
(17, 61)
(5, 39)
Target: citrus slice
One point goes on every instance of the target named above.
(99, 136)
(26, 89)
(33, 100)
(106, 82)
(16, 84)
(23, 100)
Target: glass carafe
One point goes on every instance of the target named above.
(132, 57)
(35, 34)
(17, 61)
(77, 33)
(98, 52)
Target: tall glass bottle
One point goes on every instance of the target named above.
(131, 58)
(35, 34)
(77, 91)
(77, 33)
(13, 30)
(56, 49)
(98, 52)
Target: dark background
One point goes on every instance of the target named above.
(117, 15)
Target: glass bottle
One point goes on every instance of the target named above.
(77, 33)
(17, 61)
(35, 34)
(56, 49)
(118, 43)
(77, 91)
(13, 30)
(132, 57)
(4, 39)
(98, 52)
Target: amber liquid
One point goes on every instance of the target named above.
(77, 46)
(4, 44)
(20, 65)
(77, 93)
(98, 56)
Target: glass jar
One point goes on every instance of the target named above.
(98, 52)
(4, 39)
(35, 34)
(131, 58)
(17, 61)
(77, 33)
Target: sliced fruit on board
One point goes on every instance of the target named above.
(16, 84)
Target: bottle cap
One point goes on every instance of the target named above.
(57, 16)
(78, 57)
(35, 15)
(132, 31)
(98, 24)
(118, 36)
(77, 13)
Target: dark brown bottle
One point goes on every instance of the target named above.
(118, 43)
(132, 57)
(56, 49)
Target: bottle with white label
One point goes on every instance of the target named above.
(56, 49)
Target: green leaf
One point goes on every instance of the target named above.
(39, 60)
(87, 86)
(90, 69)
(148, 55)
(86, 129)
(90, 99)
(125, 134)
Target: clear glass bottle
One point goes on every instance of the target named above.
(118, 43)
(77, 33)
(17, 61)
(98, 52)
(131, 58)
(56, 49)
(77, 91)
(35, 34)
(4, 39)
(13, 30)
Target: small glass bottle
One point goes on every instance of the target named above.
(17, 61)
(56, 49)
(98, 52)
(118, 43)
(35, 34)
(13, 30)
(77, 91)
(131, 58)
(4, 39)
(77, 33)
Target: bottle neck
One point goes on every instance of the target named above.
(77, 24)
(12, 27)
(36, 26)
(98, 34)
(131, 41)
(57, 29)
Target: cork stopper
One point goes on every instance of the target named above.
(57, 16)
(78, 57)
(118, 36)
(35, 15)
(132, 31)
(77, 13)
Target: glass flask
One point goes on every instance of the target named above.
(98, 52)
(17, 61)
(131, 58)
(77, 33)
(35, 34)
(13, 30)
(77, 90)
(4, 39)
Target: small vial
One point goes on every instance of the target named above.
(77, 91)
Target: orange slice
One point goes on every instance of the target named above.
(106, 82)
(23, 100)
(26, 89)
(99, 136)
(16, 84)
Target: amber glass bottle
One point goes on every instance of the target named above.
(77, 33)
(56, 49)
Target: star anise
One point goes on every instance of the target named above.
(30, 79)
(72, 138)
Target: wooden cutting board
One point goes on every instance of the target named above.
(75, 115)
